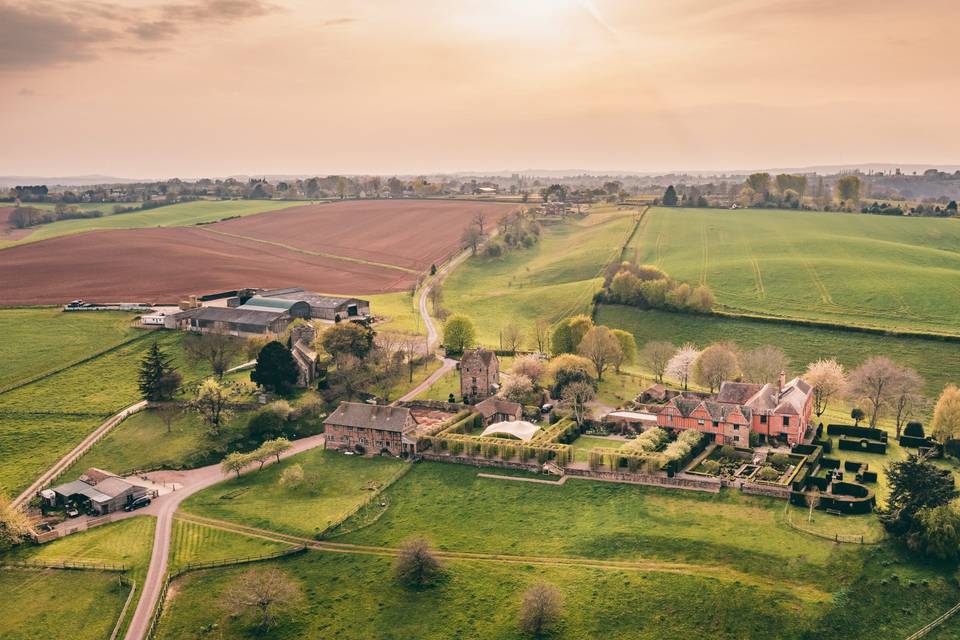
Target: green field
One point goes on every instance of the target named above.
(554, 279)
(41, 340)
(938, 362)
(583, 445)
(890, 272)
(399, 310)
(177, 215)
(56, 603)
(193, 542)
(257, 499)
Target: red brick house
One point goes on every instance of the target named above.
(479, 374)
(779, 410)
(371, 429)
(728, 424)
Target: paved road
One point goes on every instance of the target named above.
(164, 508)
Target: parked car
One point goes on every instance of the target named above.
(139, 503)
(72, 511)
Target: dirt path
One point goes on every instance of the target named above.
(716, 572)
(164, 508)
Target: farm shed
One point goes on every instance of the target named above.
(296, 308)
(102, 492)
(238, 322)
(495, 409)
(321, 307)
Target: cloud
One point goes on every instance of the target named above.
(153, 31)
(26, 92)
(36, 37)
(337, 22)
(218, 10)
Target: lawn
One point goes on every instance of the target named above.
(938, 362)
(55, 603)
(356, 597)
(334, 484)
(399, 311)
(177, 215)
(193, 542)
(890, 272)
(44, 339)
(583, 445)
(554, 279)
(30, 444)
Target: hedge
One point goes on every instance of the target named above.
(862, 444)
(857, 432)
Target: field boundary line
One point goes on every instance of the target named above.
(554, 483)
(123, 612)
(936, 623)
(839, 538)
(40, 376)
(319, 254)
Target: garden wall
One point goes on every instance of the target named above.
(482, 462)
(774, 491)
(694, 484)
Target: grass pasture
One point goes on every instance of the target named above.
(334, 484)
(193, 542)
(938, 362)
(889, 272)
(176, 215)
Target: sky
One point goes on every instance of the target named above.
(191, 88)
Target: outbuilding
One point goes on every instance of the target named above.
(96, 490)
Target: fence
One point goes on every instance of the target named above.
(123, 611)
(936, 623)
(370, 498)
(197, 566)
(840, 538)
(82, 525)
(67, 564)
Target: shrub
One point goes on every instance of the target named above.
(768, 474)
(914, 429)
(780, 460)
(292, 476)
(728, 451)
(711, 466)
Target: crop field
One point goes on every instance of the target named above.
(176, 215)
(554, 279)
(881, 271)
(42, 340)
(334, 484)
(40, 604)
(339, 248)
(938, 362)
(193, 542)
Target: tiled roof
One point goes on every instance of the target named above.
(483, 355)
(371, 416)
(493, 405)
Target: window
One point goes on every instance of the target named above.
(716, 425)
(700, 422)
(786, 421)
(763, 419)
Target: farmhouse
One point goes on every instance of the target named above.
(728, 424)
(368, 428)
(779, 411)
(100, 491)
(479, 374)
(495, 409)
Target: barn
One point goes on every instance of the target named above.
(321, 307)
(238, 322)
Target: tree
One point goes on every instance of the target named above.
(348, 338)
(541, 335)
(517, 388)
(168, 412)
(215, 348)
(264, 592)
(938, 533)
(236, 462)
(471, 237)
(435, 296)
(158, 379)
(14, 524)
(417, 566)
(848, 190)
(291, 477)
(540, 609)
(670, 196)
(530, 366)
(763, 364)
(857, 414)
(914, 484)
(906, 396)
(628, 348)
(600, 347)
(828, 380)
(813, 501)
(511, 337)
(577, 395)
(260, 455)
(874, 382)
(276, 447)
(946, 415)
(212, 404)
(717, 363)
(276, 370)
(656, 356)
(269, 422)
(458, 333)
(682, 364)
(479, 219)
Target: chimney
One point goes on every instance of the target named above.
(781, 380)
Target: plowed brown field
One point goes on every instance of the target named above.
(319, 247)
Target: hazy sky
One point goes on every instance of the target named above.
(215, 87)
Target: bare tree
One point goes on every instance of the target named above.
(215, 348)
(212, 403)
(417, 566)
(511, 337)
(263, 592)
(763, 364)
(541, 335)
(907, 396)
(479, 219)
(168, 412)
(435, 296)
(682, 364)
(813, 501)
(540, 609)
(828, 380)
(471, 238)
(656, 356)
(577, 395)
(601, 347)
(874, 382)
(717, 363)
